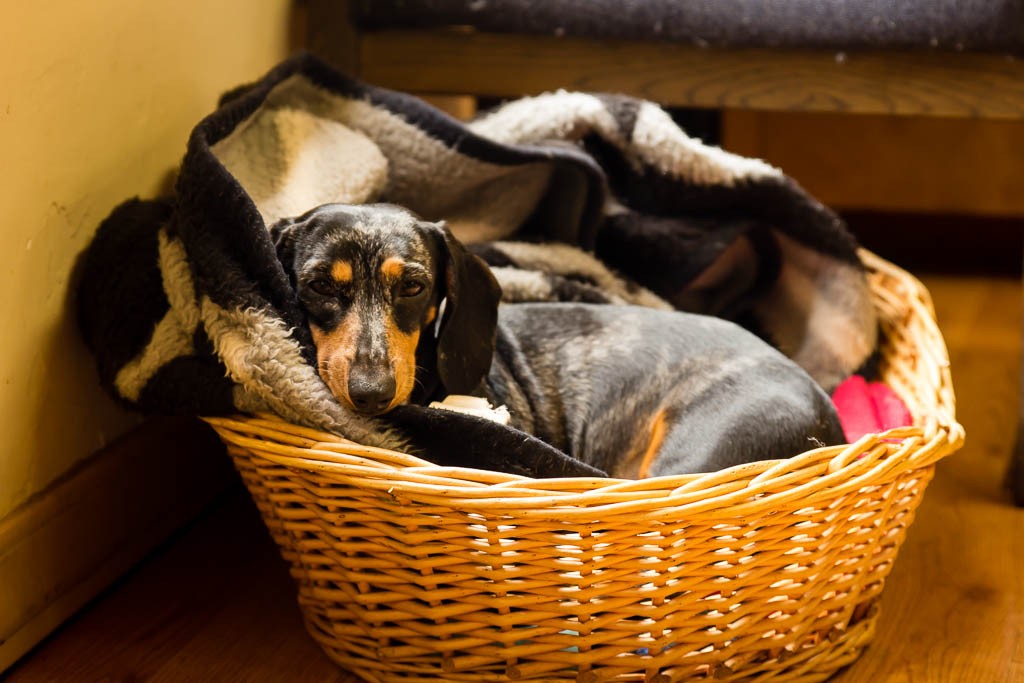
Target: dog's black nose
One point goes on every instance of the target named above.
(371, 395)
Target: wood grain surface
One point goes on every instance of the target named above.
(890, 163)
(218, 605)
(70, 542)
(908, 83)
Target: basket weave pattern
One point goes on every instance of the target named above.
(770, 571)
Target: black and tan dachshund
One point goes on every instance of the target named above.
(400, 312)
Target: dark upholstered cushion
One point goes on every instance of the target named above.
(992, 25)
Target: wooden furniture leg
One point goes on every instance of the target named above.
(1015, 476)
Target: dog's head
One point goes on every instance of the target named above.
(387, 295)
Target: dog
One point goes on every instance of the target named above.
(399, 311)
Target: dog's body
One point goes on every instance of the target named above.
(399, 312)
(638, 392)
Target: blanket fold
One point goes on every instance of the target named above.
(188, 310)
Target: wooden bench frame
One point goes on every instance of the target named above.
(460, 61)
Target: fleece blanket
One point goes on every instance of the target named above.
(188, 310)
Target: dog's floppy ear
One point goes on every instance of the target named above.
(283, 234)
(468, 316)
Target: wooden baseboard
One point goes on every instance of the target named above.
(70, 542)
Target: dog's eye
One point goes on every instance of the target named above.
(410, 288)
(323, 287)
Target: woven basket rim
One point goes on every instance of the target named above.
(819, 473)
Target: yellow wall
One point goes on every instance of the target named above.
(96, 102)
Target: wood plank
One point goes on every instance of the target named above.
(217, 605)
(1015, 475)
(908, 83)
(462, 107)
(330, 34)
(66, 545)
(925, 165)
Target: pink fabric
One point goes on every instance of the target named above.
(865, 408)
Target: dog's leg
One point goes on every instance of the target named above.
(717, 434)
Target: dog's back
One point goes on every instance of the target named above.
(641, 392)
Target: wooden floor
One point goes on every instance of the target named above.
(217, 603)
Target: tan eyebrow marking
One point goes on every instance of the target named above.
(341, 271)
(393, 267)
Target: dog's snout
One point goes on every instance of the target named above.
(371, 393)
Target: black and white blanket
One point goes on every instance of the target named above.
(188, 310)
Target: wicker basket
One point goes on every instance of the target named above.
(770, 571)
